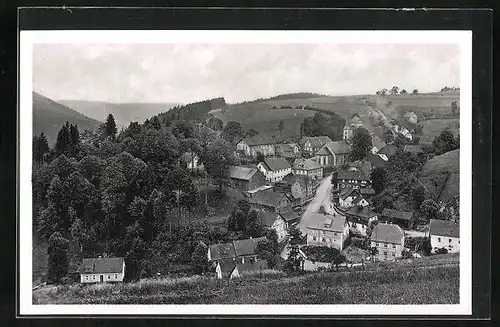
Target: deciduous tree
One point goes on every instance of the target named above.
(58, 258)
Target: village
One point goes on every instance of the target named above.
(318, 202)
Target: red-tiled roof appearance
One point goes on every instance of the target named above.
(390, 233)
(275, 164)
(444, 228)
(101, 265)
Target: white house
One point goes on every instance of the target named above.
(100, 270)
(191, 161)
(350, 197)
(411, 117)
(360, 218)
(275, 169)
(389, 240)
(231, 270)
(445, 234)
(327, 230)
(251, 146)
(406, 133)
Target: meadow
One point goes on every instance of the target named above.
(418, 281)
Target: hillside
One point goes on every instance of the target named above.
(194, 111)
(124, 113)
(264, 115)
(441, 175)
(49, 116)
(433, 280)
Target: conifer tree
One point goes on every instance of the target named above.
(110, 127)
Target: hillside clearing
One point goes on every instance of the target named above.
(428, 281)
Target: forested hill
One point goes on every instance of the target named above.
(194, 111)
(49, 116)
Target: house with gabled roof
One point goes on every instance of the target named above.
(239, 251)
(270, 200)
(333, 154)
(279, 222)
(312, 144)
(377, 143)
(375, 160)
(300, 187)
(307, 167)
(389, 240)
(411, 117)
(444, 234)
(99, 270)
(351, 196)
(246, 178)
(274, 169)
(289, 151)
(402, 218)
(231, 270)
(354, 178)
(361, 218)
(327, 230)
(387, 151)
(251, 146)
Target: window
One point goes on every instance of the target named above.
(314, 238)
(109, 276)
(93, 276)
(116, 276)
(439, 239)
(323, 239)
(449, 240)
(393, 246)
(378, 244)
(385, 253)
(86, 277)
(385, 245)
(394, 254)
(335, 234)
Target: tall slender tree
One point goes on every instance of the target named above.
(58, 258)
(110, 127)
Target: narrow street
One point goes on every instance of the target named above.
(322, 197)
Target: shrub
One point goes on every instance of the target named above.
(441, 251)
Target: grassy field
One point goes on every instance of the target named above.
(443, 169)
(433, 280)
(434, 127)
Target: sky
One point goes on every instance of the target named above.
(184, 73)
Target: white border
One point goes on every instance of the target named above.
(28, 38)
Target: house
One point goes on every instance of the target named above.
(389, 241)
(274, 169)
(231, 270)
(99, 270)
(333, 154)
(354, 178)
(402, 218)
(311, 144)
(364, 166)
(270, 200)
(444, 234)
(356, 122)
(361, 218)
(300, 187)
(251, 146)
(307, 167)
(413, 149)
(367, 193)
(377, 143)
(411, 117)
(350, 196)
(289, 151)
(327, 230)
(279, 222)
(239, 251)
(387, 152)
(246, 178)
(191, 161)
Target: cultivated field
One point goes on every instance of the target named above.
(435, 126)
(433, 280)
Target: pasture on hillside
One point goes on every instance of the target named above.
(434, 127)
(259, 115)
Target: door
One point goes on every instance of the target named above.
(101, 278)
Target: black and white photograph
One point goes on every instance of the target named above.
(177, 172)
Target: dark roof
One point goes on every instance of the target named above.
(222, 251)
(277, 163)
(239, 172)
(363, 212)
(355, 175)
(246, 247)
(268, 197)
(375, 160)
(267, 218)
(346, 192)
(258, 140)
(306, 164)
(326, 222)
(338, 147)
(364, 165)
(406, 215)
(290, 216)
(413, 149)
(285, 150)
(358, 199)
(366, 191)
(389, 150)
(101, 265)
(316, 141)
(391, 233)
(444, 228)
(301, 179)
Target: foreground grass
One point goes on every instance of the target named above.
(411, 284)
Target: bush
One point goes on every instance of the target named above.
(441, 251)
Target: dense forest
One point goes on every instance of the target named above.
(124, 194)
(194, 111)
